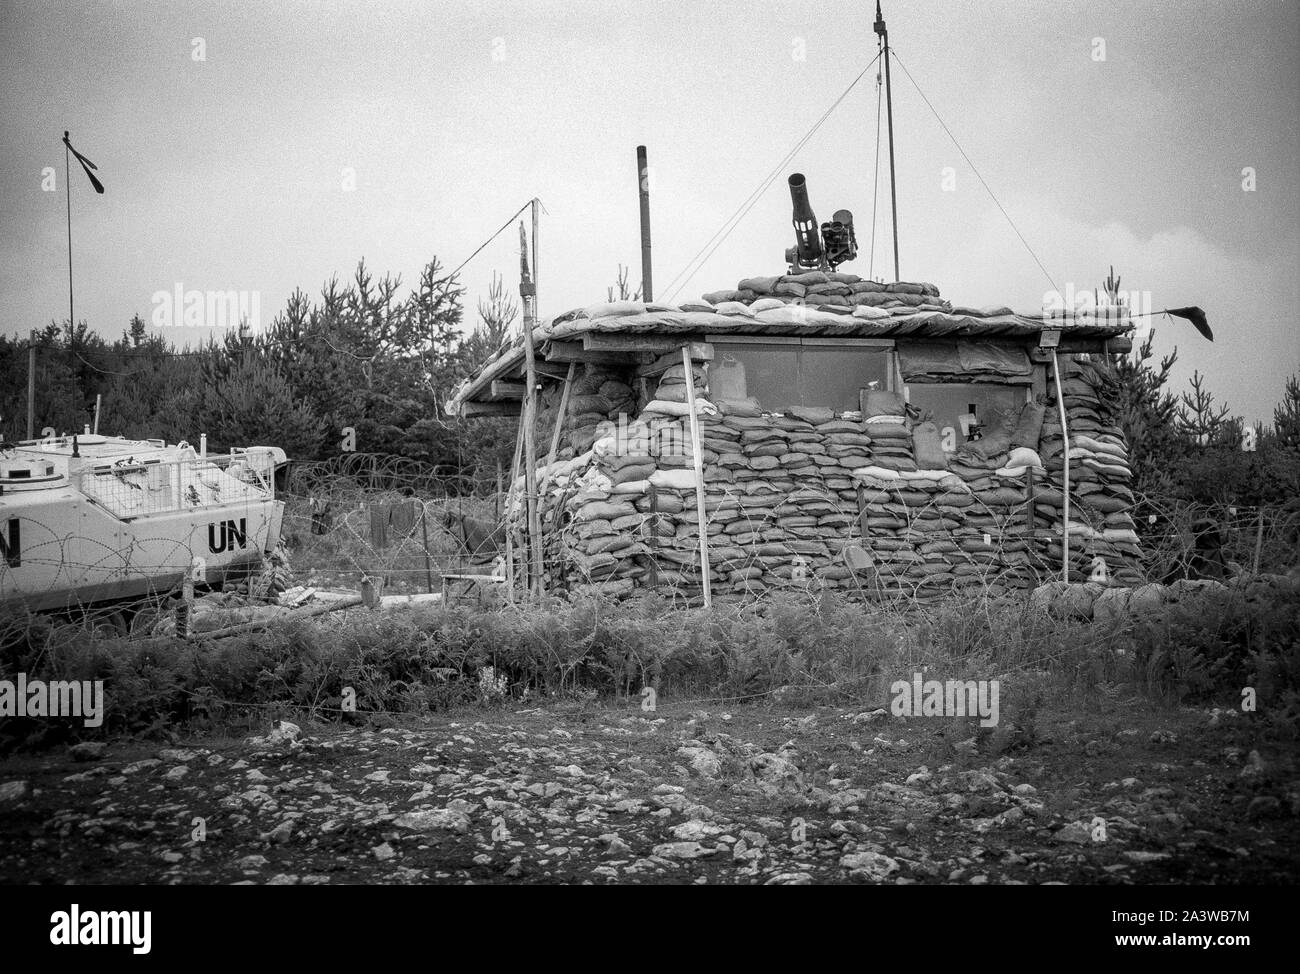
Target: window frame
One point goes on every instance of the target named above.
(882, 346)
(1026, 388)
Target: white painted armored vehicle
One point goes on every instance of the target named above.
(89, 520)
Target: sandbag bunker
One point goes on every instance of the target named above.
(816, 430)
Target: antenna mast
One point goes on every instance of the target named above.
(883, 32)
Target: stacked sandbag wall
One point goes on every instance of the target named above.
(599, 394)
(1103, 540)
(867, 502)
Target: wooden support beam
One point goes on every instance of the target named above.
(574, 352)
(510, 494)
(469, 410)
(507, 390)
(657, 344)
(698, 458)
(532, 503)
(560, 415)
(666, 362)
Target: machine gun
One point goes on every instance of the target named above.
(836, 242)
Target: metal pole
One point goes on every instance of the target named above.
(1065, 456)
(889, 109)
(67, 187)
(31, 386)
(643, 180)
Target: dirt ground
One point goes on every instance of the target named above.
(752, 794)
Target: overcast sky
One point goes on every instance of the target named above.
(228, 173)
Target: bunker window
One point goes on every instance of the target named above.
(777, 377)
(963, 411)
(834, 376)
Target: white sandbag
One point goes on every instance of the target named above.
(1023, 456)
(631, 487)
(877, 473)
(593, 479)
(1100, 446)
(702, 408)
(680, 479)
(935, 475)
(733, 308)
(612, 309)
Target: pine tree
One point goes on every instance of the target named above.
(1199, 418)
(1286, 415)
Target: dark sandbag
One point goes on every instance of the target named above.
(1030, 426)
(876, 402)
(927, 447)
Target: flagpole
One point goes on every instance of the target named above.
(67, 188)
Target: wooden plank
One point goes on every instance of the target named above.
(698, 459)
(657, 344)
(574, 352)
(469, 410)
(1065, 480)
(757, 339)
(507, 390)
(510, 494)
(881, 343)
(559, 416)
(528, 293)
(665, 362)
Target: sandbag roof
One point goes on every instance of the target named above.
(899, 310)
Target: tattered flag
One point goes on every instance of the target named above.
(1196, 316)
(86, 164)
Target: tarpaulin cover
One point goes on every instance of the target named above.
(967, 359)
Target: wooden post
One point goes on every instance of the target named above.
(1259, 543)
(698, 457)
(1031, 508)
(654, 537)
(559, 418)
(428, 569)
(1065, 459)
(528, 291)
(533, 203)
(643, 181)
(509, 503)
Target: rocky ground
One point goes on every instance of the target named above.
(764, 794)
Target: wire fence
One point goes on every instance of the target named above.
(371, 517)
